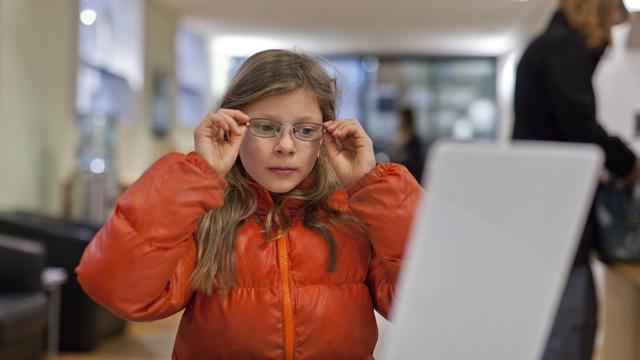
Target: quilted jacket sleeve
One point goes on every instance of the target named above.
(138, 265)
(385, 199)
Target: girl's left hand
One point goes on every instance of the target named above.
(355, 157)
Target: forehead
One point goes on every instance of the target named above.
(295, 106)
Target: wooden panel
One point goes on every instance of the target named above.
(621, 307)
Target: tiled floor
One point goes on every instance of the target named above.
(141, 341)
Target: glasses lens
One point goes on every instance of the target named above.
(263, 127)
(308, 132)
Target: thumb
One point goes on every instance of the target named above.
(236, 139)
(330, 145)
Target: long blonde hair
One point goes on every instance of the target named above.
(264, 74)
(593, 19)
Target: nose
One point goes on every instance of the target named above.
(286, 143)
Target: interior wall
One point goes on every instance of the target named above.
(37, 121)
(617, 84)
(137, 146)
(507, 65)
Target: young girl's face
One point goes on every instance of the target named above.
(280, 163)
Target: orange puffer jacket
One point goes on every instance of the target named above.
(285, 305)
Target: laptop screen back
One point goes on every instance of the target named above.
(490, 250)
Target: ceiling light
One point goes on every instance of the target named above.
(97, 166)
(88, 16)
(632, 5)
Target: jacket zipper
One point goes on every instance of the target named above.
(287, 301)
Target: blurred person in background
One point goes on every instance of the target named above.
(407, 149)
(555, 101)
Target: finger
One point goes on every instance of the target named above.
(216, 121)
(210, 129)
(330, 125)
(235, 141)
(352, 138)
(335, 124)
(352, 124)
(330, 145)
(357, 133)
(234, 127)
(346, 129)
(236, 138)
(239, 116)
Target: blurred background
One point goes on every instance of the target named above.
(93, 91)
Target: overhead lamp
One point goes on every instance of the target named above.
(632, 5)
(88, 16)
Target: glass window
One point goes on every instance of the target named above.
(193, 76)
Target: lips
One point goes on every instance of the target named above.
(282, 170)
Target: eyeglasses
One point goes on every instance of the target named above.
(266, 128)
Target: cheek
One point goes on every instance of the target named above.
(249, 152)
(311, 154)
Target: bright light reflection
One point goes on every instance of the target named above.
(88, 16)
(97, 166)
(632, 5)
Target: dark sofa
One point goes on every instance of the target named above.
(23, 302)
(83, 323)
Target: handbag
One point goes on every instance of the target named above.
(618, 215)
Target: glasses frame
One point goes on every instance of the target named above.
(281, 126)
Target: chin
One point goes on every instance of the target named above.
(280, 188)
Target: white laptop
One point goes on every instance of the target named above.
(490, 250)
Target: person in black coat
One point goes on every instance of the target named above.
(555, 101)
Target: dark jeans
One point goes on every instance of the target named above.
(574, 328)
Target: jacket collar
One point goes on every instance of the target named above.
(265, 201)
(294, 207)
(560, 22)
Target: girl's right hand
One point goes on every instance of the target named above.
(218, 136)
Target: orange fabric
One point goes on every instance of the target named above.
(287, 301)
(139, 265)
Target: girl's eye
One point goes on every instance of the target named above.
(307, 132)
(264, 127)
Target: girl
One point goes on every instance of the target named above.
(249, 234)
